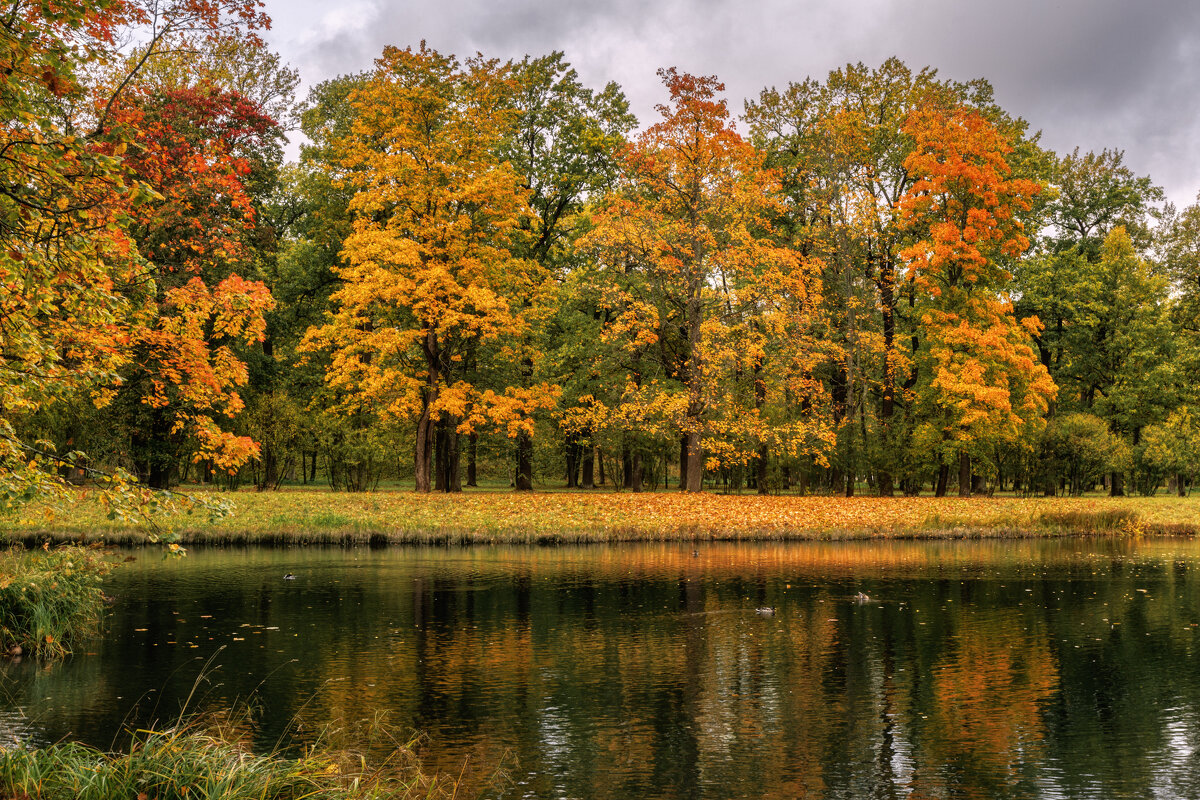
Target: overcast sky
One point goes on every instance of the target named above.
(1121, 74)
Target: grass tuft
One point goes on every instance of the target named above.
(1098, 521)
(50, 598)
(209, 761)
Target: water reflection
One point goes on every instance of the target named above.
(998, 669)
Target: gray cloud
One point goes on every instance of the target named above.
(1088, 73)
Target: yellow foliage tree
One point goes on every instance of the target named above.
(428, 271)
(687, 240)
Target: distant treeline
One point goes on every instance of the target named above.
(485, 271)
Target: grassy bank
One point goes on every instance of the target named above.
(49, 599)
(192, 764)
(311, 516)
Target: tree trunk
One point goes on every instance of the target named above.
(423, 456)
(693, 313)
(589, 466)
(683, 462)
(524, 462)
(761, 478)
(270, 467)
(440, 469)
(636, 472)
(423, 452)
(524, 482)
(453, 449)
(572, 457)
(964, 474)
(600, 458)
(448, 475)
(153, 444)
(760, 400)
(887, 303)
(1118, 485)
(472, 456)
(839, 393)
(943, 478)
(695, 463)
(159, 474)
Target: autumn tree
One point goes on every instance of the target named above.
(690, 222)
(563, 144)
(199, 147)
(980, 380)
(230, 64)
(840, 148)
(62, 246)
(429, 268)
(74, 310)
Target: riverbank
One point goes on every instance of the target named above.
(299, 516)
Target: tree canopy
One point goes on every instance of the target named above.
(869, 282)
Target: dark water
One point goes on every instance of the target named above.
(977, 670)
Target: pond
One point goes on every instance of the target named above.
(999, 669)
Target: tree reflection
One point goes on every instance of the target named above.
(998, 670)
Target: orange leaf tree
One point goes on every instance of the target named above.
(686, 242)
(429, 272)
(840, 147)
(198, 147)
(62, 249)
(72, 280)
(980, 380)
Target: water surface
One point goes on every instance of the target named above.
(997, 669)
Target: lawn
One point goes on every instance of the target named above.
(315, 516)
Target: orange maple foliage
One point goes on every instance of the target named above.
(62, 251)
(72, 281)
(195, 146)
(981, 382)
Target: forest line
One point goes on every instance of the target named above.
(479, 270)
